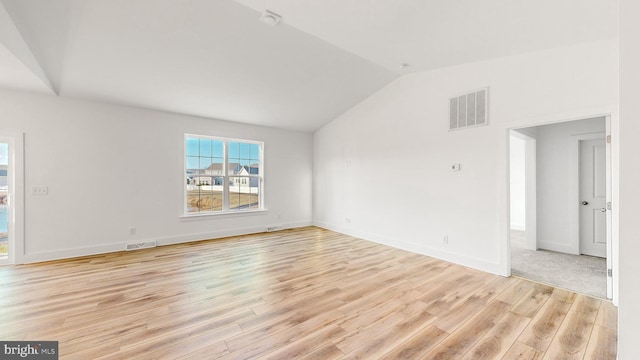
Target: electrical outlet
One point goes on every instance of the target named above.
(445, 240)
(347, 220)
(132, 231)
(39, 190)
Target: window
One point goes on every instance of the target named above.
(222, 175)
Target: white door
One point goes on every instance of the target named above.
(593, 197)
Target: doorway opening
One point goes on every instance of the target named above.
(11, 197)
(559, 191)
(4, 201)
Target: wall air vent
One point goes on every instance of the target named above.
(469, 109)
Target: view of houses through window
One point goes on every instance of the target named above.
(222, 175)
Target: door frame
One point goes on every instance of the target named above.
(16, 195)
(611, 129)
(575, 194)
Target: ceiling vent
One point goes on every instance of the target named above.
(270, 18)
(470, 109)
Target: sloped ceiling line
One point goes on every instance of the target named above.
(13, 40)
(215, 59)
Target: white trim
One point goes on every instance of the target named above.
(563, 248)
(615, 201)
(160, 241)
(225, 172)
(609, 200)
(221, 138)
(209, 216)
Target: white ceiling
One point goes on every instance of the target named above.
(216, 59)
(429, 34)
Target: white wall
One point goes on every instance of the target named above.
(528, 136)
(110, 167)
(557, 226)
(629, 303)
(517, 183)
(402, 131)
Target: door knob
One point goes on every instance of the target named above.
(585, 203)
(603, 209)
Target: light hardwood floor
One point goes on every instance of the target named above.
(306, 293)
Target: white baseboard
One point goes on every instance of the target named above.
(563, 248)
(479, 264)
(160, 241)
(35, 257)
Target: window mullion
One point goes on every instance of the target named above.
(225, 188)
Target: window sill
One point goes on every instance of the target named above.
(207, 216)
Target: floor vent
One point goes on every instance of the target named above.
(469, 109)
(142, 245)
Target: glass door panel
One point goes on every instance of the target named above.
(4, 201)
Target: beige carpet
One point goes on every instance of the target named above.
(580, 273)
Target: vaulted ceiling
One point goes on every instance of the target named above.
(214, 58)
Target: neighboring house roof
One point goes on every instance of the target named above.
(240, 170)
(219, 166)
(246, 170)
(253, 170)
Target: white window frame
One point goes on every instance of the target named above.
(226, 176)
